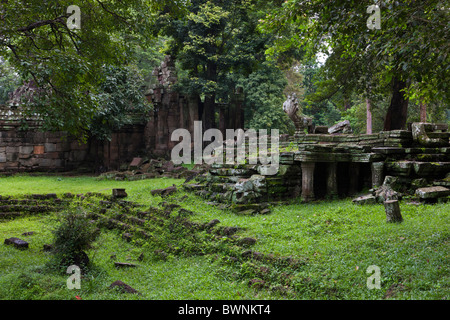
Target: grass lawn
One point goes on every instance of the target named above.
(337, 241)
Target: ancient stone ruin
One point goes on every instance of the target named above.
(336, 164)
(316, 163)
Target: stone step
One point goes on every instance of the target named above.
(432, 192)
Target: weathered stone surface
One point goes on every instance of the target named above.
(343, 127)
(392, 209)
(246, 241)
(50, 147)
(431, 169)
(119, 193)
(123, 287)
(258, 182)
(419, 183)
(377, 174)
(124, 265)
(164, 192)
(422, 134)
(212, 223)
(26, 149)
(386, 192)
(366, 199)
(433, 192)
(18, 243)
(127, 236)
(135, 163)
(399, 168)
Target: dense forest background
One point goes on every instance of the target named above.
(88, 79)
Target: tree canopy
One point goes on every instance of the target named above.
(270, 48)
(65, 63)
(409, 53)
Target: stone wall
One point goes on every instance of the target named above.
(334, 165)
(25, 148)
(173, 110)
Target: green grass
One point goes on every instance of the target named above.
(337, 240)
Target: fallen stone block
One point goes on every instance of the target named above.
(135, 163)
(246, 241)
(367, 199)
(432, 192)
(124, 265)
(18, 243)
(164, 192)
(123, 287)
(211, 224)
(119, 193)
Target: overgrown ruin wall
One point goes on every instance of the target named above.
(25, 148)
(173, 110)
(334, 165)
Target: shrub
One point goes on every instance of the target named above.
(72, 237)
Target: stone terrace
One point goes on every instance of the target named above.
(331, 166)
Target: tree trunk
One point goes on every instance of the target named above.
(398, 109)
(369, 117)
(210, 99)
(423, 112)
(346, 103)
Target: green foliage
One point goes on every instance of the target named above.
(121, 100)
(217, 46)
(326, 249)
(411, 46)
(9, 81)
(264, 99)
(73, 236)
(67, 64)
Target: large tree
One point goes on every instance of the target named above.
(215, 44)
(409, 53)
(67, 64)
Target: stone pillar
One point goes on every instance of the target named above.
(308, 181)
(332, 190)
(354, 177)
(377, 174)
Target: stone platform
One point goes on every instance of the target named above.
(331, 166)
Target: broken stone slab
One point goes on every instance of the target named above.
(123, 287)
(432, 192)
(343, 127)
(164, 192)
(18, 243)
(124, 265)
(119, 193)
(246, 241)
(135, 163)
(366, 199)
(387, 191)
(425, 169)
(321, 130)
(244, 185)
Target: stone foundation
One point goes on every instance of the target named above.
(330, 166)
(33, 150)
